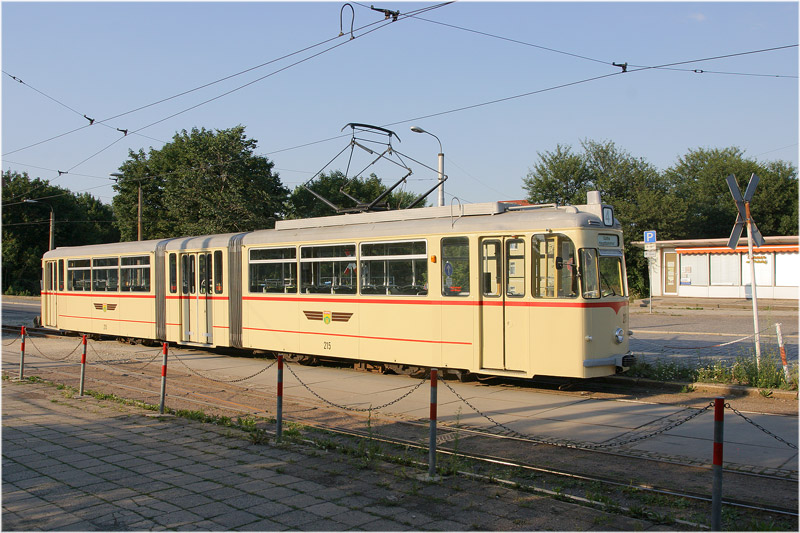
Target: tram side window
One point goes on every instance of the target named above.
(554, 266)
(591, 281)
(218, 272)
(273, 270)
(105, 274)
(394, 268)
(173, 273)
(61, 274)
(328, 269)
(135, 274)
(79, 275)
(455, 266)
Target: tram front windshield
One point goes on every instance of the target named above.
(602, 274)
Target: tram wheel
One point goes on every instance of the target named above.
(305, 360)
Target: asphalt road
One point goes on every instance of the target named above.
(706, 333)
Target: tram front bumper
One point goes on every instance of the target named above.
(623, 361)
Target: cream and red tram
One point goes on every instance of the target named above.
(493, 289)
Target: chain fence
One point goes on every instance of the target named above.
(348, 408)
(236, 380)
(667, 423)
(575, 444)
(126, 361)
(29, 339)
(760, 427)
(12, 341)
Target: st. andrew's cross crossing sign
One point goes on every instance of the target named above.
(743, 217)
(753, 236)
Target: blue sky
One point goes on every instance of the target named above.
(104, 59)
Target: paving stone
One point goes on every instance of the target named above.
(296, 518)
(235, 518)
(269, 509)
(354, 518)
(111, 468)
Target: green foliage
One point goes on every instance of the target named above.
(662, 371)
(203, 182)
(79, 219)
(690, 200)
(745, 370)
(337, 189)
(699, 177)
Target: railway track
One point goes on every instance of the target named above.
(503, 459)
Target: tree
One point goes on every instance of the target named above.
(79, 219)
(699, 177)
(641, 197)
(201, 183)
(303, 204)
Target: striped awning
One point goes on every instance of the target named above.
(784, 248)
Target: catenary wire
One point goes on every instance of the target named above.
(246, 85)
(587, 58)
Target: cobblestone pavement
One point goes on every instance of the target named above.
(88, 464)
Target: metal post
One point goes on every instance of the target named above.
(139, 225)
(432, 438)
(22, 356)
(753, 283)
(782, 349)
(163, 378)
(441, 179)
(83, 367)
(52, 229)
(650, 264)
(716, 491)
(279, 423)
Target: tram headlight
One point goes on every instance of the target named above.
(619, 336)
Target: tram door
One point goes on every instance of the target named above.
(50, 284)
(196, 302)
(503, 316)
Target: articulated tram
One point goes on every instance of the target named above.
(491, 289)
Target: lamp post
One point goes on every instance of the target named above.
(116, 176)
(417, 129)
(52, 220)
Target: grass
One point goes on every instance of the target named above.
(744, 370)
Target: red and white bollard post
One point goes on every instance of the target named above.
(782, 349)
(279, 417)
(432, 437)
(22, 356)
(83, 367)
(716, 490)
(163, 379)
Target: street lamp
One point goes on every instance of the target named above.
(52, 220)
(116, 176)
(417, 129)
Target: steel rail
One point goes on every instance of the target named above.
(311, 404)
(481, 458)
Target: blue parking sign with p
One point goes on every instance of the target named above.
(650, 236)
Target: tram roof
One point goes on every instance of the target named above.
(114, 248)
(483, 217)
(493, 216)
